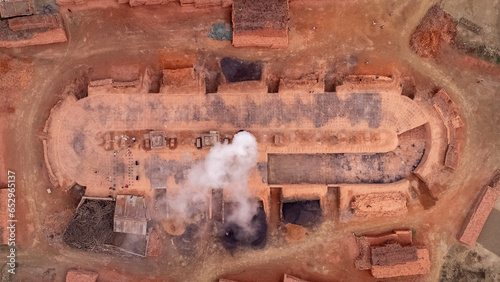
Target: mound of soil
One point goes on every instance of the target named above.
(434, 27)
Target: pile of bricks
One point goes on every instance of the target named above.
(38, 21)
(260, 23)
(392, 255)
(479, 213)
(71, 2)
(32, 30)
(452, 120)
(79, 275)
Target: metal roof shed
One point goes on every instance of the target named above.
(131, 215)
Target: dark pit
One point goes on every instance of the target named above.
(234, 235)
(304, 213)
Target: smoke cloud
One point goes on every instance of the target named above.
(227, 166)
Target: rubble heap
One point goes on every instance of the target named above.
(434, 27)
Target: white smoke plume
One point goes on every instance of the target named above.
(226, 166)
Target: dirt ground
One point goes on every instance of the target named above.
(319, 32)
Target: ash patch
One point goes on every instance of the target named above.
(350, 168)
(236, 236)
(326, 106)
(364, 107)
(465, 264)
(133, 113)
(217, 108)
(235, 70)
(101, 112)
(159, 170)
(79, 143)
(221, 31)
(119, 168)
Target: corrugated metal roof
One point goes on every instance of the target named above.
(131, 215)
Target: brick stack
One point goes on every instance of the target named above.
(260, 23)
(79, 275)
(392, 255)
(37, 21)
(448, 111)
(32, 30)
(71, 2)
(477, 217)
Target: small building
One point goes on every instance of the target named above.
(80, 275)
(157, 139)
(14, 8)
(131, 215)
(209, 140)
(260, 23)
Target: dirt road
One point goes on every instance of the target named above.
(319, 32)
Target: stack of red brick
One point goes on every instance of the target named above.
(71, 2)
(4, 216)
(80, 275)
(479, 213)
(183, 3)
(452, 120)
(32, 30)
(260, 23)
(392, 255)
